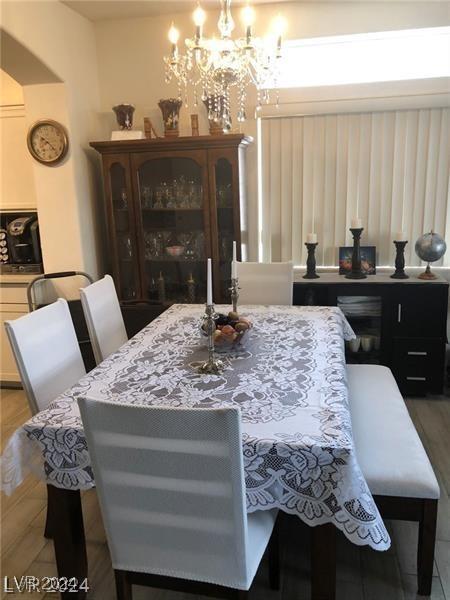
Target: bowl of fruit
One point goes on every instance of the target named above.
(231, 330)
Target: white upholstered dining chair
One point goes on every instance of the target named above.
(46, 350)
(172, 494)
(103, 317)
(48, 357)
(265, 283)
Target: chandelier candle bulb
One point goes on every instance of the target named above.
(174, 36)
(199, 17)
(248, 18)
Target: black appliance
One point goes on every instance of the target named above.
(22, 251)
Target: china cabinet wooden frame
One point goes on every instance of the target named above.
(185, 193)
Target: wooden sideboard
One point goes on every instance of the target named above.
(405, 319)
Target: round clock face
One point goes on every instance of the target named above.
(47, 142)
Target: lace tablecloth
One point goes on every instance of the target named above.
(290, 384)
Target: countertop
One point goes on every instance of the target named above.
(334, 277)
(17, 278)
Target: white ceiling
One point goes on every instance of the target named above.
(102, 10)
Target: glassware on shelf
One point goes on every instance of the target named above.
(167, 198)
(161, 288)
(200, 244)
(190, 251)
(126, 250)
(122, 200)
(191, 289)
(224, 196)
(158, 203)
(146, 197)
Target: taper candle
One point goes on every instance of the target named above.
(233, 263)
(209, 298)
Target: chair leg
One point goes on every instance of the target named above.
(123, 585)
(48, 519)
(274, 558)
(425, 550)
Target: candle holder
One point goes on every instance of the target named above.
(311, 262)
(400, 261)
(234, 289)
(213, 364)
(356, 272)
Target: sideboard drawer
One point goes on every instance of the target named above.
(418, 364)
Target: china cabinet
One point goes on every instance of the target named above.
(171, 204)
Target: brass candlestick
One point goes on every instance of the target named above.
(234, 289)
(213, 364)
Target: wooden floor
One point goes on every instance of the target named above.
(362, 574)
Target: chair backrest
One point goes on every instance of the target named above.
(265, 283)
(47, 353)
(171, 489)
(103, 317)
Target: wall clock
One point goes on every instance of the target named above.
(48, 142)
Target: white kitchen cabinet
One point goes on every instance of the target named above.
(13, 304)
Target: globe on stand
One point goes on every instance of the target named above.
(430, 247)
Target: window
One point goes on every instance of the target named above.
(367, 57)
(390, 168)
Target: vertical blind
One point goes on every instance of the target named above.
(390, 168)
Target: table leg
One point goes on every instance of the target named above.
(323, 562)
(68, 538)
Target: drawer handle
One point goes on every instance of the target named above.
(416, 379)
(417, 353)
(399, 313)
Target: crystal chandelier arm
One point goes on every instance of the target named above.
(226, 23)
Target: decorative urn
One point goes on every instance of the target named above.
(170, 109)
(124, 115)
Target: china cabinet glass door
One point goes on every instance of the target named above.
(225, 207)
(174, 222)
(122, 230)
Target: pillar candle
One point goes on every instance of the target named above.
(209, 298)
(311, 238)
(400, 236)
(356, 223)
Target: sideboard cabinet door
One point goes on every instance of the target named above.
(417, 310)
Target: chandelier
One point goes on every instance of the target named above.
(213, 67)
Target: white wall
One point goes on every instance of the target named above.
(17, 189)
(131, 69)
(67, 195)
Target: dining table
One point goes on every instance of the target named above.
(289, 380)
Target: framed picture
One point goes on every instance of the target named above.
(368, 259)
